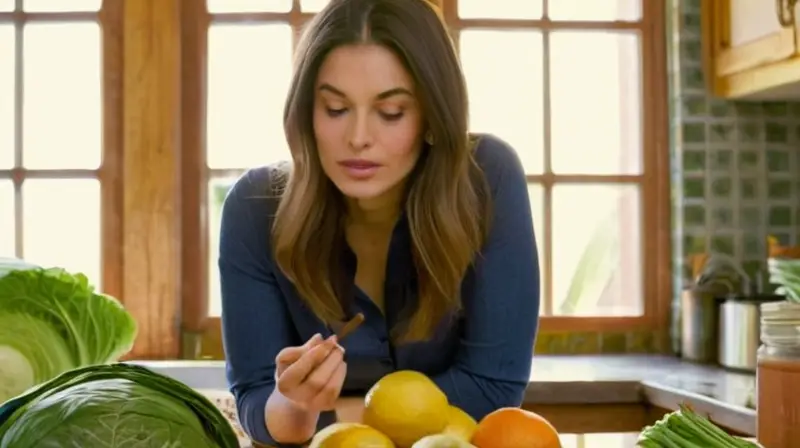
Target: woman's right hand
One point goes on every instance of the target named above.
(311, 375)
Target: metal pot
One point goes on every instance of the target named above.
(740, 330)
(699, 325)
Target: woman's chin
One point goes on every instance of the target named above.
(361, 190)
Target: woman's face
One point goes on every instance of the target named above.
(367, 121)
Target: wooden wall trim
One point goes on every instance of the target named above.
(194, 36)
(194, 181)
(151, 233)
(110, 173)
(656, 58)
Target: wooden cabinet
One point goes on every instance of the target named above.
(752, 48)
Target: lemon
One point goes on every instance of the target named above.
(442, 441)
(406, 406)
(350, 435)
(460, 424)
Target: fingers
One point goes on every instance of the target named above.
(312, 341)
(319, 376)
(296, 373)
(327, 396)
(312, 375)
(291, 354)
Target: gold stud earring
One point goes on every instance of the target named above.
(429, 138)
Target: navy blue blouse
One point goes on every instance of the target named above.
(482, 360)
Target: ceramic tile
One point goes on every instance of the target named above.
(639, 342)
(613, 342)
(734, 163)
(584, 343)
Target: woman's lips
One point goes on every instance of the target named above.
(359, 168)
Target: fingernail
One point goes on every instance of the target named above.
(316, 337)
(334, 339)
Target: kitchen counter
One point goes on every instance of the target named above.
(661, 381)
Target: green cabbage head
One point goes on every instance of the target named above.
(52, 321)
(113, 406)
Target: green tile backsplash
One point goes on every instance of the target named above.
(734, 163)
(586, 343)
(735, 180)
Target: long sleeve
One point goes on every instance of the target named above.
(501, 300)
(256, 324)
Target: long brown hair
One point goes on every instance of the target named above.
(447, 205)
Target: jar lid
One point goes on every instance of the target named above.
(754, 298)
(780, 311)
(780, 324)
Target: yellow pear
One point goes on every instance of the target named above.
(460, 424)
(406, 406)
(442, 441)
(350, 435)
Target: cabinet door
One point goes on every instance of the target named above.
(752, 33)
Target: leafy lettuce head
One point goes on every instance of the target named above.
(52, 321)
(113, 406)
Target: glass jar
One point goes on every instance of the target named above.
(778, 375)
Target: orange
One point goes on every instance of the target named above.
(515, 428)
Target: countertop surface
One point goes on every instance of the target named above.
(724, 396)
(604, 379)
(568, 373)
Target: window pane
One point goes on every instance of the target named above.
(249, 69)
(61, 5)
(595, 10)
(500, 9)
(596, 250)
(601, 135)
(313, 5)
(7, 227)
(249, 5)
(7, 89)
(61, 222)
(505, 89)
(536, 194)
(6, 5)
(217, 189)
(62, 97)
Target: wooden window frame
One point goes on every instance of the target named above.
(108, 174)
(154, 173)
(201, 333)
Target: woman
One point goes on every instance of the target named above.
(389, 209)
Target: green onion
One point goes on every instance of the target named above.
(686, 429)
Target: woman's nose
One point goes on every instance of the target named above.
(360, 134)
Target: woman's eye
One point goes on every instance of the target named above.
(391, 117)
(335, 112)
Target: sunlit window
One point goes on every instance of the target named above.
(51, 134)
(561, 82)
